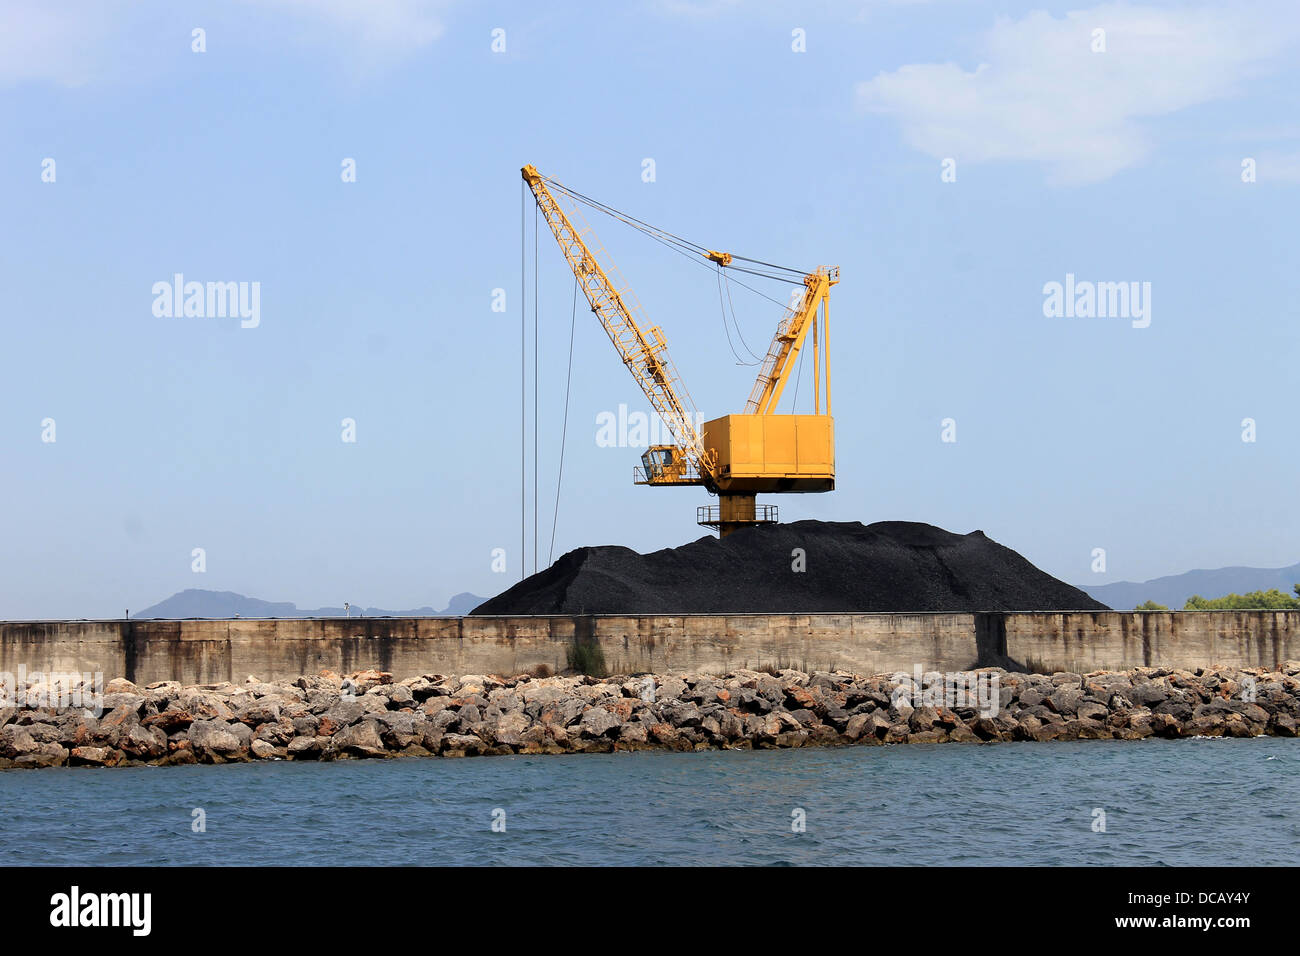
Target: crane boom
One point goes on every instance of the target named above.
(643, 351)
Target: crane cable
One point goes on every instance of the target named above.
(798, 377)
(573, 321)
(691, 250)
(727, 281)
(536, 326)
(727, 330)
(523, 380)
(667, 236)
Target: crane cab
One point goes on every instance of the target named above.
(665, 465)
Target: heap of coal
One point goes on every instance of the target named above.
(848, 566)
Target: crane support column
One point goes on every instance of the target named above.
(735, 511)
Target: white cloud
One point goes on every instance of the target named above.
(1042, 94)
(74, 42)
(59, 43)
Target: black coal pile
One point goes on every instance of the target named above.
(847, 566)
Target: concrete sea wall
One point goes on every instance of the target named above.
(212, 651)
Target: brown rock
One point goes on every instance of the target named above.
(214, 740)
(144, 743)
(206, 706)
(169, 721)
(985, 728)
(732, 727)
(360, 740)
(1047, 731)
(258, 712)
(1089, 710)
(117, 724)
(923, 718)
(305, 746)
(897, 733)
(1206, 725)
(1235, 725)
(1086, 729)
(16, 741)
(508, 729)
(933, 736)
(94, 757)
(960, 733)
(1165, 725)
(856, 726)
(461, 745)
(634, 733)
(46, 755)
(665, 734)
(263, 750)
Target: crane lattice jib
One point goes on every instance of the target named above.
(788, 340)
(644, 352)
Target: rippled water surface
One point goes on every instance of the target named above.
(1223, 802)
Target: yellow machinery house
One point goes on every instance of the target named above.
(765, 453)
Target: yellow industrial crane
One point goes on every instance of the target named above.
(736, 456)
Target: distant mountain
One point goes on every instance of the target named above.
(218, 604)
(1174, 590)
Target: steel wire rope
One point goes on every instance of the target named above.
(736, 323)
(692, 251)
(564, 432)
(536, 323)
(647, 227)
(726, 330)
(798, 377)
(523, 380)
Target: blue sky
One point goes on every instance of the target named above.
(174, 433)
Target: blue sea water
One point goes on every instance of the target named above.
(1204, 801)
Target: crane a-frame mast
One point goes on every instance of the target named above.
(789, 339)
(643, 351)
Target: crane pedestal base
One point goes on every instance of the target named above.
(733, 512)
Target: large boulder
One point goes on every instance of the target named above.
(598, 722)
(215, 740)
(359, 740)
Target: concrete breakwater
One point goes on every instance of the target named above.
(369, 714)
(212, 651)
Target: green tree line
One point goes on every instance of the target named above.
(1270, 600)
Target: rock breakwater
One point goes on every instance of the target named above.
(367, 714)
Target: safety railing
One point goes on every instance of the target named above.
(711, 515)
